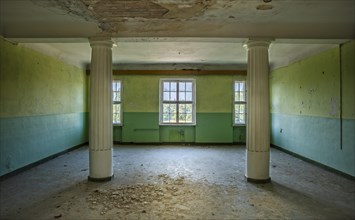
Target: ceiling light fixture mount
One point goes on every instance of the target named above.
(264, 7)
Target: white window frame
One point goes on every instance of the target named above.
(117, 102)
(240, 102)
(193, 102)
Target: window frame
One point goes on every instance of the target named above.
(161, 101)
(240, 102)
(117, 102)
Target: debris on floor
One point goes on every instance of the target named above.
(168, 193)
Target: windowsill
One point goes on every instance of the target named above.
(194, 124)
(239, 125)
(117, 125)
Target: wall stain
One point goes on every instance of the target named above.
(333, 107)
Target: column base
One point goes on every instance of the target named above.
(251, 180)
(105, 179)
(257, 166)
(100, 165)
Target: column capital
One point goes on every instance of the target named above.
(101, 41)
(258, 42)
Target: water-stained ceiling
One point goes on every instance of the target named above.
(153, 21)
(178, 18)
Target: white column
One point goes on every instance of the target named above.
(100, 136)
(258, 116)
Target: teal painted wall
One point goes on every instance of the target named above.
(308, 108)
(214, 96)
(180, 134)
(214, 128)
(43, 108)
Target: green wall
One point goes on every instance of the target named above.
(43, 108)
(312, 109)
(214, 95)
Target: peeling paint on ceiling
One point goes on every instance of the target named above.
(166, 22)
(178, 18)
(67, 7)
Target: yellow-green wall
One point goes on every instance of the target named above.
(348, 80)
(312, 108)
(214, 96)
(43, 106)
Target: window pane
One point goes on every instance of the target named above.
(188, 96)
(165, 118)
(169, 113)
(116, 108)
(116, 113)
(185, 113)
(116, 86)
(182, 96)
(189, 86)
(166, 108)
(173, 86)
(169, 108)
(240, 112)
(182, 86)
(182, 118)
(242, 96)
(188, 108)
(166, 96)
(116, 96)
(172, 118)
(182, 108)
(242, 85)
(173, 108)
(236, 96)
(236, 87)
(166, 86)
(116, 119)
(188, 118)
(173, 96)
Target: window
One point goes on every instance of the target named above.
(240, 103)
(116, 102)
(177, 101)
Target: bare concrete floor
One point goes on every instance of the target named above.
(176, 182)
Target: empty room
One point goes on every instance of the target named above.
(187, 109)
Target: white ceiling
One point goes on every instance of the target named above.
(178, 34)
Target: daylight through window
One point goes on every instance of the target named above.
(240, 103)
(116, 102)
(177, 101)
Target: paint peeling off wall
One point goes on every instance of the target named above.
(312, 108)
(310, 87)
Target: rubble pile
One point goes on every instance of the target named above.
(140, 197)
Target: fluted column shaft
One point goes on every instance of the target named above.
(258, 116)
(100, 134)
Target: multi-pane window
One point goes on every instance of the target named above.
(177, 101)
(116, 102)
(240, 103)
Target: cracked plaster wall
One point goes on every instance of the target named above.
(307, 117)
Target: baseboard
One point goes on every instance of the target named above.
(177, 143)
(348, 176)
(29, 166)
